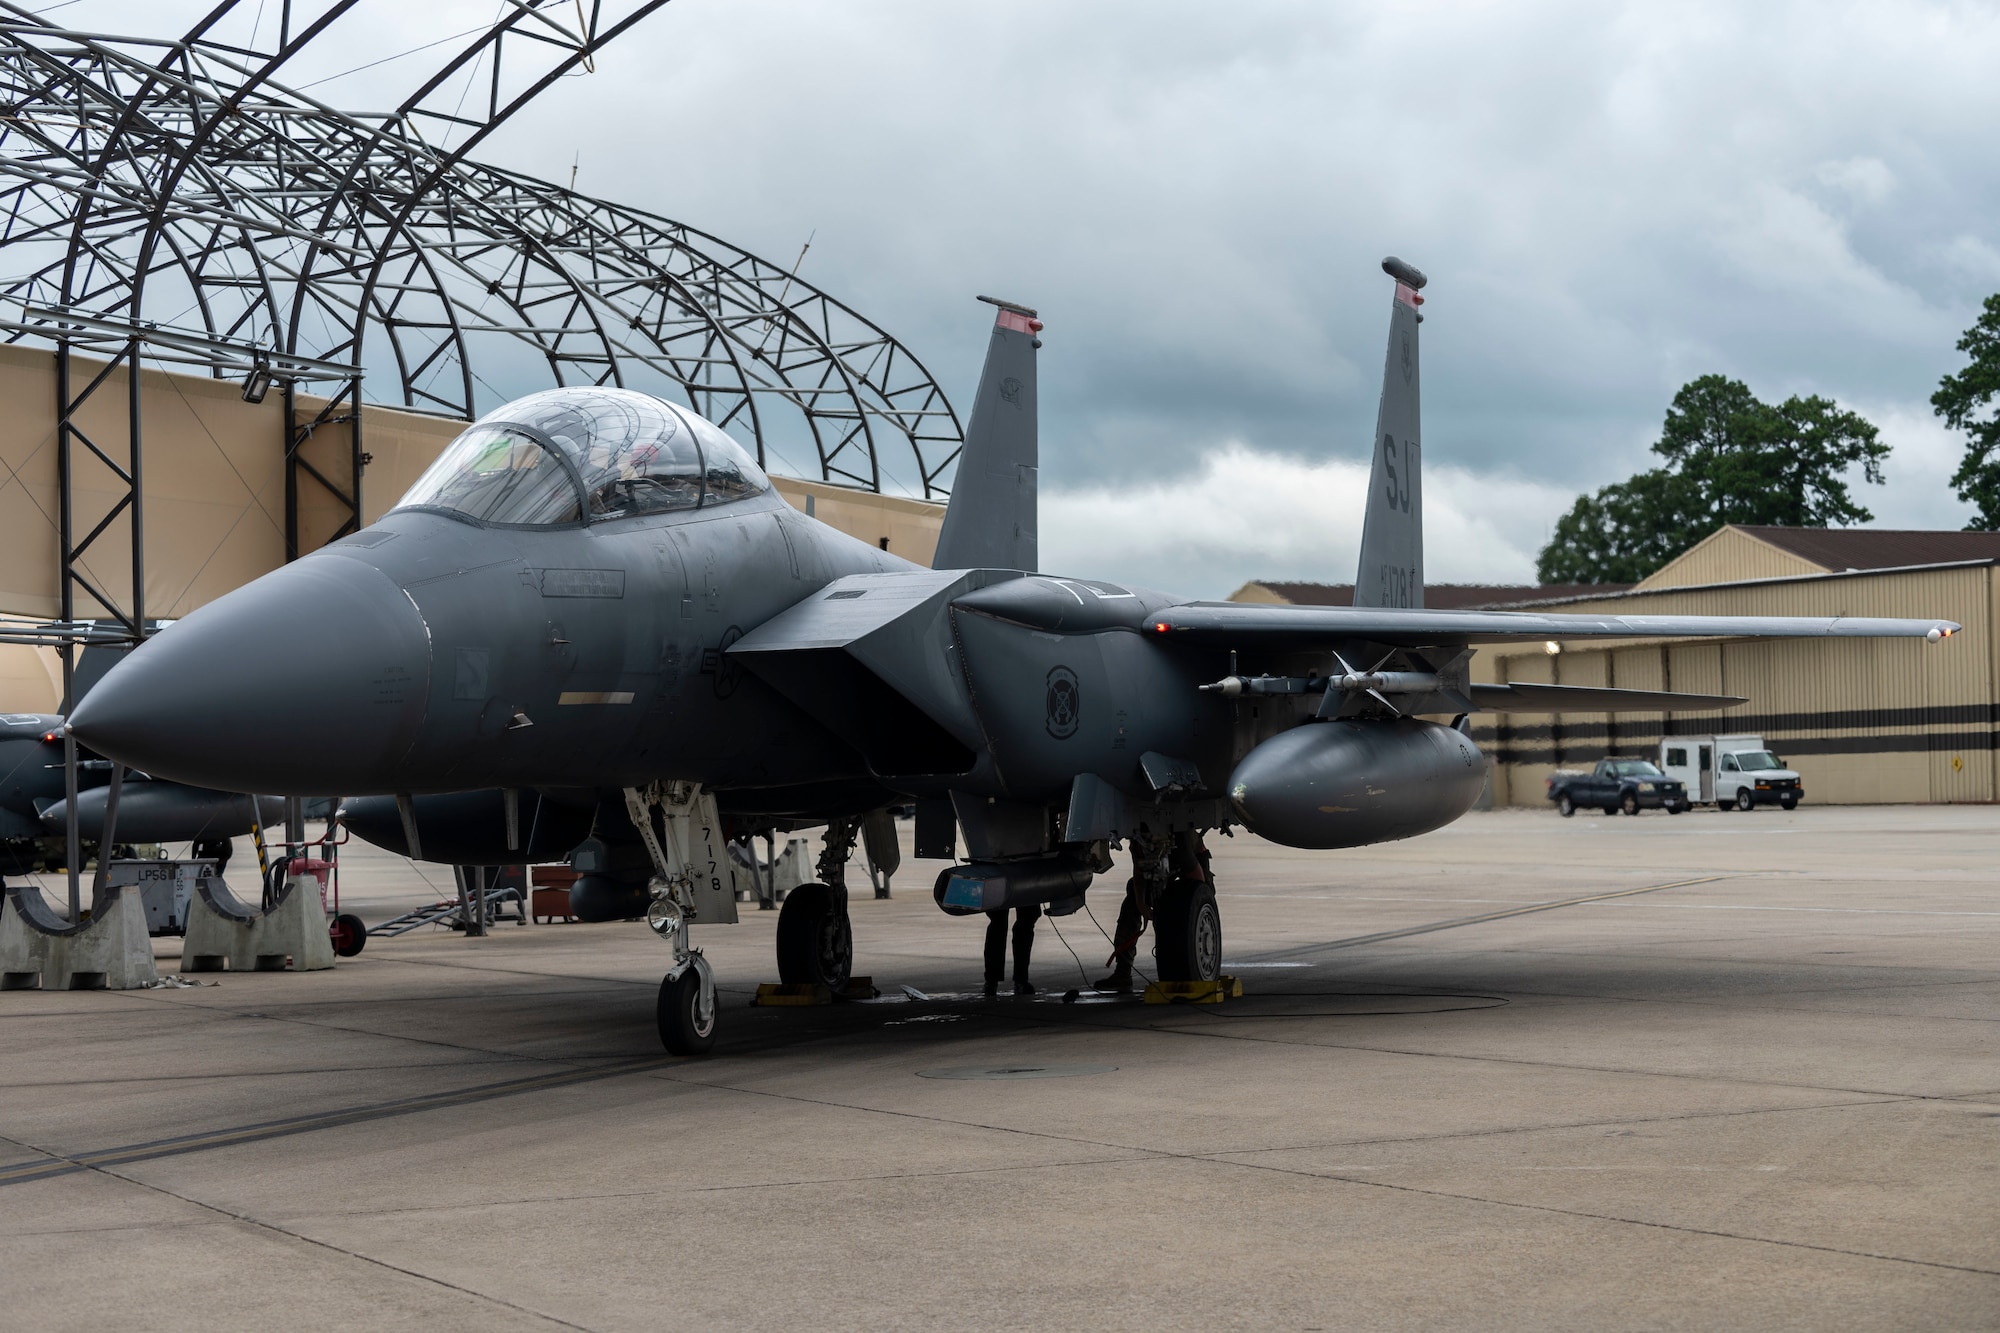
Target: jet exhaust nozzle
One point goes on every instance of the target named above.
(989, 886)
(1350, 783)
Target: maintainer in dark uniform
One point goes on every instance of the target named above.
(1024, 945)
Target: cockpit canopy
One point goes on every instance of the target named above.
(565, 454)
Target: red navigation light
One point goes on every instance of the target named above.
(1160, 626)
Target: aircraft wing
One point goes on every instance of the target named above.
(1245, 623)
(1533, 698)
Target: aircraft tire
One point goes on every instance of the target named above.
(350, 935)
(815, 939)
(1187, 933)
(684, 1028)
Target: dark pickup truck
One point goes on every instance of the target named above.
(1630, 785)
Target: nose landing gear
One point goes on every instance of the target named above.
(685, 1012)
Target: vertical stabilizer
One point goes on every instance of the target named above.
(990, 522)
(1392, 534)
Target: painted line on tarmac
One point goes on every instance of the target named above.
(67, 1163)
(1664, 907)
(1457, 921)
(1759, 907)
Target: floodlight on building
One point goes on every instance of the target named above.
(257, 383)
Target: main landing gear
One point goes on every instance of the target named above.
(815, 936)
(1187, 924)
(1172, 887)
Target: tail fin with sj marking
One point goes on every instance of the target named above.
(1392, 533)
(990, 522)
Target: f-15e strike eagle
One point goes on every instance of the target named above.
(593, 610)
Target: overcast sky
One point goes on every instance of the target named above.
(1609, 199)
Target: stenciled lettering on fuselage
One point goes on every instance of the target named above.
(1396, 488)
(1398, 587)
(583, 583)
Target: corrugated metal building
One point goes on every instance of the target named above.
(1863, 720)
(1443, 596)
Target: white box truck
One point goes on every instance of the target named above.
(1735, 772)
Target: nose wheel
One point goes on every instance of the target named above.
(686, 1011)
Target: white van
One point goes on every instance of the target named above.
(1732, 771)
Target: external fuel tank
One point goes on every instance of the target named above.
(1350, 783)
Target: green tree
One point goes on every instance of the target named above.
(1959, 399)
(1729, 458)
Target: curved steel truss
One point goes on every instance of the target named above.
(173, 194)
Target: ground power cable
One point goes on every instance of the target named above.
(1114, 943)
(1080, 969)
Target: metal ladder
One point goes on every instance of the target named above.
(495, 902)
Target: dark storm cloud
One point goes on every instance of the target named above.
(1611, 199)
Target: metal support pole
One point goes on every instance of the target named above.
(291, 471)
(330, 847)
(66, 598)
(295, 825)
(472, 898)
(72, 834)
(356, 458)
(767, 882)
(407, 809)
(107, 839)
(138, 517)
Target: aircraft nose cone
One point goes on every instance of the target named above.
(310, 681)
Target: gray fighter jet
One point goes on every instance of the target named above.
(594, 603)
(34, 811)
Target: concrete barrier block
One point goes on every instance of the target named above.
(111, 951)
(223, 933)
(796, 866)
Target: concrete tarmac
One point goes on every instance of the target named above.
(1705, 1071)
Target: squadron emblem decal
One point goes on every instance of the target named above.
(1065, 703)
(726, 670)
(1010, 391)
